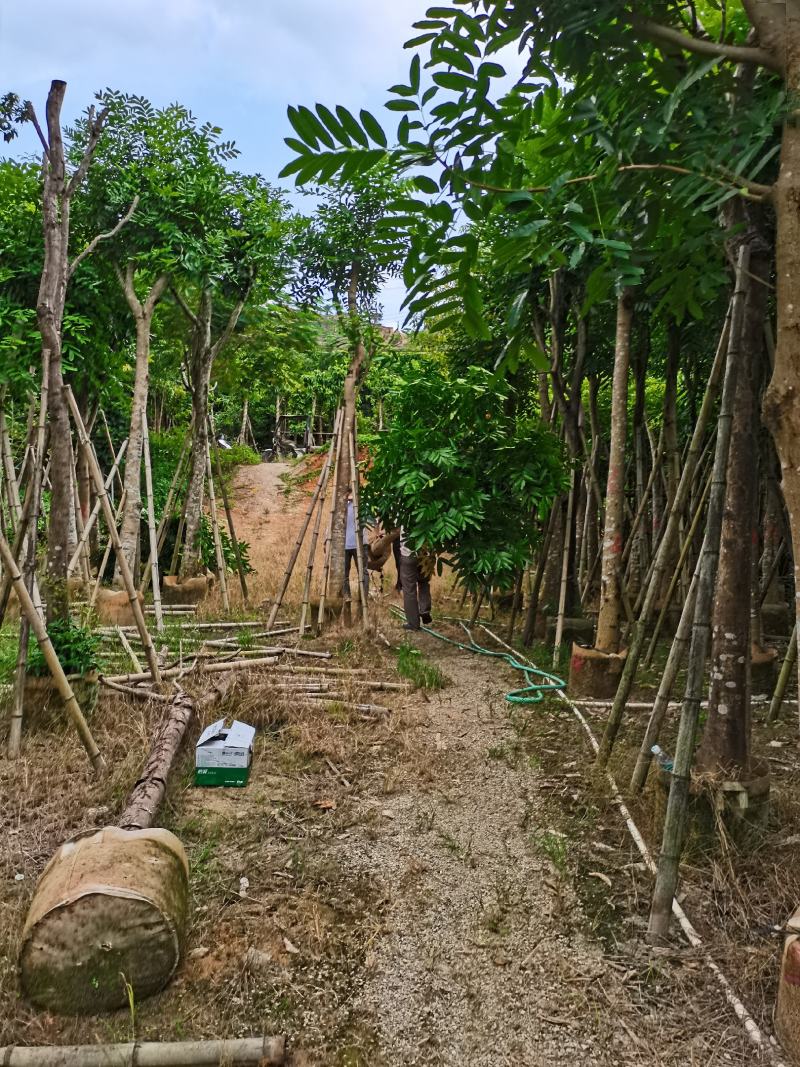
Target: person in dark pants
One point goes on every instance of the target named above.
(398, 585)
(416, 589)
(351, 551)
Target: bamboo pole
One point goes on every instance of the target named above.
(338, 436)
(51, 659)
(675, 819)
(81, 549)
(89, 525)
(644, 500)
(360, 562)
(104, 563)
(167, 512)
(287, 574)
(676, 655)
(111, 450)
(687, 544)
(312, 551)
(228, 513)
(176, 551)
(212, 501)
(515, 603)
(237, 1052)
(783, 679)
(533, 603)
(129, 649)
(151, 524)
(562, 592)
(125, 571)
(661, 555)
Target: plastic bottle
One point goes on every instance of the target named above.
(664, 762)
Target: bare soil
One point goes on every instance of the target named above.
(439, 885)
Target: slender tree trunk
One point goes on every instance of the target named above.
(725, 747)
(609, 619)
(142, 312)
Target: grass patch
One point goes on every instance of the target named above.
(413, 665)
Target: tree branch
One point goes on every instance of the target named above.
(103, 237)
(230, 326)
(33, 118)
(157, 290)
(654, 31)
(95, 129)
(126, 283)
(190, 315)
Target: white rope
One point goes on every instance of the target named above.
(759, 1039)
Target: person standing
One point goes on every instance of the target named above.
(351, 550)
(416, 588)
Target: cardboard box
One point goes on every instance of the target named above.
(224, 753)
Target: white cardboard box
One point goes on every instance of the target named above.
(224, 753)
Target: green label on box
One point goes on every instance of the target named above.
(231, 776)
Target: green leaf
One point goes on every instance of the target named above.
(373, 128)
(401, 105)
(414, 73)
(335, 127)
(451, 80)
(422, 39)
(312, 123)
(426, 184)
(351, 127)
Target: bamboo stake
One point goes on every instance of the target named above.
(783, 679)
(287, 574)
(515, 603)
(81, 550)
(675, 820)
(151, 524)
(362, 593)
(661, 706)
(125, 571)
(237, 1052)
(661, 555)
(533, 603)
(312, 551)
(129, 649)
(51, 659)
(228, 513)
(206, 668)
(176, 551)
(102, 568)
(220, 557)
(687, 544)
(89, 525)
(168, 506)
(338, 437)
(110, 444)
(644, 500)
(562, 593)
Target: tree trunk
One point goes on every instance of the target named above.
(608, 622)
(725, 748)
(143, 317)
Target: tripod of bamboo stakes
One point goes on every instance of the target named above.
(315, 511)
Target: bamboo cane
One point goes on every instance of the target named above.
(102, 568)
(168, 506)
(687, 544)
(89, 525)
(176, 551)
(125, 571)
(338, 437)
(677, 653)
(515, 603)
(129, 649)
(312, 551)
(661, 556)
(151, 524)
(675, 819)
(783, 679)
(640, 511)
(533, 603)
(237, 1052)
(51, 659)
(562, 592)
(228, 513)
(220, 557)
(110, 444)
(79, 528)
(362, 593)
(287, 574)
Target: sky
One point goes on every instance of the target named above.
(236, 63)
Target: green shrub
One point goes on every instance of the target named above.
(76, 647)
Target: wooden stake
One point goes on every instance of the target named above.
(338, 436)
(36, 623)
(360, 563)
(312, 551)
(151, 524)
(125, 571)
(220, 557)
(89, 525)
(228, 513)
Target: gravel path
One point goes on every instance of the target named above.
(479, 963)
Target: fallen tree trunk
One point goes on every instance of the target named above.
(239, 1052)
(147, 794)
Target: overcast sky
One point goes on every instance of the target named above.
(236, 63)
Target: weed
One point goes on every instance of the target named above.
(131, 1005)
(412, 664)
(555, 847)
(453, 845)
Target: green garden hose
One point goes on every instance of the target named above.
(532, 693)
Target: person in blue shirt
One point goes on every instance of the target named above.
(350, 549)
